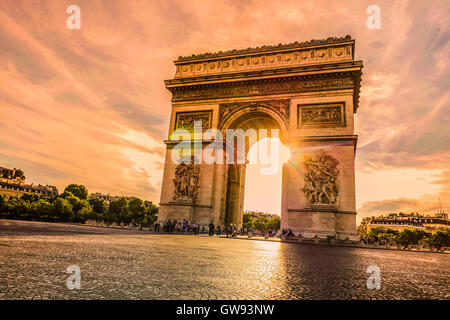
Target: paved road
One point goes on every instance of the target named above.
(122, 264)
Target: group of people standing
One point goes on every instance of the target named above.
(232, 230)
(287, 232)
(182, 226)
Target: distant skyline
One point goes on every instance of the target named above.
(89, 106)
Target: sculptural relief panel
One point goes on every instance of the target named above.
(186, 181)
(186, 120)
(321, 115)
(321, 177)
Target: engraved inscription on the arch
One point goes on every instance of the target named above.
(321, 115)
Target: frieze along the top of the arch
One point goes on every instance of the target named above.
(332, 68)
(335, 75)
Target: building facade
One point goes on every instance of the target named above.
(12, 184)
(398, 222)
(109, 198)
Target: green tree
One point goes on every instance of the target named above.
(383, 234)
(374, 232)
(136, 209)
(78, 190)
(81, 209)
(440, 238)
(62, 209)
(8, 212)
(30, 197)
(388, 236)
(120, 211)
(109, 217)
(247, 221)
(152, 210)
(151, 214)
(274, 223)
(261, 223)
(41, 210)
(362, 228)
(412, 236)
(23, 209)
(98, 205)
(66, 194)
(2, 204)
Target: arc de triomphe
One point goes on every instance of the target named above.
(310, 92)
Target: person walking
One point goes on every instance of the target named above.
(211, 229)
(218, 231)
(173, 225)
(185, 226)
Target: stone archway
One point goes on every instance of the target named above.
(251, 116)
(309, 91)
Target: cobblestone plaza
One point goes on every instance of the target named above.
(124, 264)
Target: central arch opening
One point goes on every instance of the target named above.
(263, 191)
(256, 184)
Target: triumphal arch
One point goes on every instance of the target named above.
(309, 91)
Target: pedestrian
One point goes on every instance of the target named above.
(211, 229)
(185, 226)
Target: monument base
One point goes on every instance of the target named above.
(179, 210)
(323, 223)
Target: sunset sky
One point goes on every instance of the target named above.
(89, 106)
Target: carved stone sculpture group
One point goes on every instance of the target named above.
(321, 179)
(186, 181)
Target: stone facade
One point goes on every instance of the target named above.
(309, 91)
(397, 222)
(12, 184)
(12, 176)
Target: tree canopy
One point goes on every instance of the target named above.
(261, 223)
(74, 205)
(78, 190)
